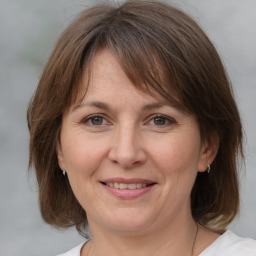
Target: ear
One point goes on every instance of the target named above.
(208, 152)
(60, 156)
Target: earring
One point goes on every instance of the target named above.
(64, 173)
(208, 168)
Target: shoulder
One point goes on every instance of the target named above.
(229, 244)
(73, 252)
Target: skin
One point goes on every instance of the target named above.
(118, 131)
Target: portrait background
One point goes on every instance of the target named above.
(28, 32)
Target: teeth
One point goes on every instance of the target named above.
(123, 186)
(132, 186)
(126, 186)
(139, 185)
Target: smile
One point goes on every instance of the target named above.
(127, 189)
(126, 186)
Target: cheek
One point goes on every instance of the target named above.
(177, 156)
(178, 167)
(83, 158)
(82, 155)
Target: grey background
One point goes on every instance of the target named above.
(28, 31)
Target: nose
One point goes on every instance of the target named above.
(127, 148)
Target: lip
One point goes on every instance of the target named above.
(128, 194)
(127, 181)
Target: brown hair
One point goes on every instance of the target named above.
(160, 49)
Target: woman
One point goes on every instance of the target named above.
(135, 132)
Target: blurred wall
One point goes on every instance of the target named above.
(28, 31)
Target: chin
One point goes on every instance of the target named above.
(129, 221)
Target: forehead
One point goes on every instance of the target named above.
(105, 72)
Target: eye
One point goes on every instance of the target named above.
(161, 120)
(95, 120)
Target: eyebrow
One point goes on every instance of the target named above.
(97, 104)
(107, 107)
(156, 105)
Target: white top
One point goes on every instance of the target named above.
(227, 244)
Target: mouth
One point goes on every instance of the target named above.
(127, 186)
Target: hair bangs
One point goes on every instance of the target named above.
(148, 69)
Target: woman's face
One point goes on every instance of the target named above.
(131, 158)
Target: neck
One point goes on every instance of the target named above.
(177, 238)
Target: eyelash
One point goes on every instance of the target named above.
(168, 121)
(89, 119)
